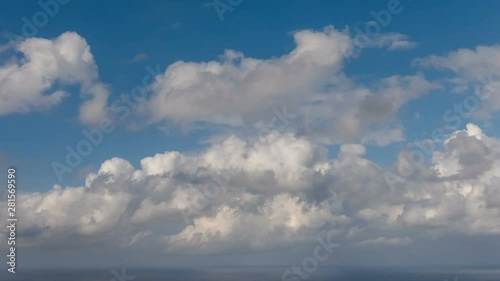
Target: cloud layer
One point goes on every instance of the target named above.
(280, 190)
(277, 189)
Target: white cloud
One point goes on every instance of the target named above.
(138, 58)
(309, 81)
(34, 82)
(392, 41)
(476, 71)
(277, 191)
(479, 62)
(198, 91)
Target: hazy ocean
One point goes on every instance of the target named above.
(257, 274)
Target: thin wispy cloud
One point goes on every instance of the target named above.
(140, 57)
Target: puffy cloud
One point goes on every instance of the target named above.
(72, 211)
(277, 191)
(238, 86)
(467, 155)
(34, 81)
(309, 81)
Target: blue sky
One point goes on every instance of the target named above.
(167, 31)
(127, 38)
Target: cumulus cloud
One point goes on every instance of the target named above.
(309, 81)
(35, 81)
(277, 191)
(189, 91)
